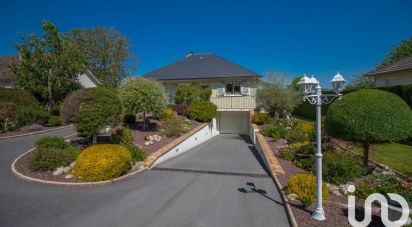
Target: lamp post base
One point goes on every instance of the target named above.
(319, 214)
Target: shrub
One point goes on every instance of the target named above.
(137, 154)
(70, 109)
(122, 136)
(31, 115)
(18, 97)
(168, 113)
(296, 136)
(287, 155)
(190, 95)
(180, 109)
(203, 111)
(105, 110)
(275, 131)
(339, 168)
(73, 151)
(304, 186)
(53, 121)
(102, 162)
(305, 151)
(175, 126)
(51, 142)
(129, 118)
(49, 159)
(262, 118)
(369, 116)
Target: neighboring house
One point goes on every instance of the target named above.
(399, 73)
(9, 80)
(233, 87)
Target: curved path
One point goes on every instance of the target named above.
(177, 195)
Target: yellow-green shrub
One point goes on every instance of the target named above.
(305, 127)
(304, 186)
(103, 162)
(168, 113)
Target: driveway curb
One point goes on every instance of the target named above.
(69, 184)
(35, 133)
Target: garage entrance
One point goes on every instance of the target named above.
(236, 122)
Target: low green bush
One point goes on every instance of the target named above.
(129, 118)
(296, 136)
(287, 155)
(275, 131)
(262, 118)
(51, 142)
(339, 168)
(175, 126)
(73, 151)
(53, 121)
(49, 159)
(31, 114)
(203, 111)
(122, 136)
(102, 162)
(137, 154)
(305, 151)
(304, 186)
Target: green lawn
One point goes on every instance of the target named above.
(395, 155)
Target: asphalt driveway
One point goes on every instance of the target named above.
(153, 198)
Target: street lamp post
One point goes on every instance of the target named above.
(313, 94)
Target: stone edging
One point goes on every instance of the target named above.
(275, 168)
(35, 133)
(71, 184)
(163, 150)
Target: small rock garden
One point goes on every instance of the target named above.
(117, 130)
(293, 141)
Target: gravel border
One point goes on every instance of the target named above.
(34, 133)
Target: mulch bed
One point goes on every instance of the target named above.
(20, 132)
(335, 207)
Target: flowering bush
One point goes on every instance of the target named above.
(304, 186)
(180, 109)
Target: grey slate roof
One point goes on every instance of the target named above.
(200, 66)
(403, 64)
(6, 75)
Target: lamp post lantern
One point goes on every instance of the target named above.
(312, 92)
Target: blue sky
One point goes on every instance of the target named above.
(312, 37)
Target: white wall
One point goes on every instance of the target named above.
(394, 79)
(85, 81)
(201, 136)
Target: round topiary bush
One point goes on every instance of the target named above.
(203, 111)
(304, 186)
(369, 116)
(102, 162)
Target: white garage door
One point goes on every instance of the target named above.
(234, 122)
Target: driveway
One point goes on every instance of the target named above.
(165, 197)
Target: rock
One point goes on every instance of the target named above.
(150, 138)
(151, 142)
(292, 197)
(334, 190)
(67, 169)
(58, 172)
(69, 176)
(139, 165)
(72, 164)
(147, 143)
(164, 136)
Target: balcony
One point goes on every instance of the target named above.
(234, 102)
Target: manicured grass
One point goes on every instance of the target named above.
(395, 155)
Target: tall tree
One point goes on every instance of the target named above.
(398, 53)
(107, 52)
(49, 65)
(276, 96)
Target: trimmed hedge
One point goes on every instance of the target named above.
(103, 162)
(203, 111)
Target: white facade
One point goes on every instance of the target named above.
(393, 78)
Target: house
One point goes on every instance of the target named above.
(9, 80)
(399, 73)
(233, 87)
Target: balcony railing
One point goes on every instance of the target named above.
(234, 102)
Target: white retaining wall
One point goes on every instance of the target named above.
(201, 136)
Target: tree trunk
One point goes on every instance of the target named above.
(94, 139)
(6, 124)
(144, 121)
(50, 92)
(366, 147)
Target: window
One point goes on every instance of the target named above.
(233, 89)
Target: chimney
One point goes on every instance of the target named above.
(190, 53)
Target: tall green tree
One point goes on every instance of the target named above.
(275, 96)
(403, 50)
(107, 52)
(49, 65)
(143, 96)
